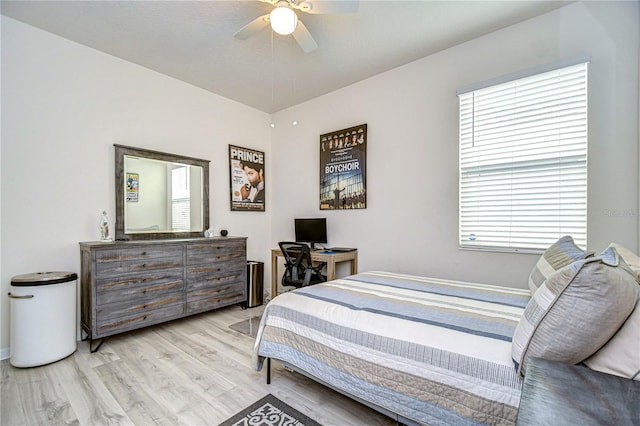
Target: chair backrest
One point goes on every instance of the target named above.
(297, 258)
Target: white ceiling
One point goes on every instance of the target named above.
(193, 40)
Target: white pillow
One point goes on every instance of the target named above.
(621, 355)
(630, 259)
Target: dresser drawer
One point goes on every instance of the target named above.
(139, 286)
(215, 273)
(138, 253)
(138, 259)
(109, 323)
(219, 251)
(211, 298)
(119, 309)
(112, 269)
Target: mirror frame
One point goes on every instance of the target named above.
(120, 152)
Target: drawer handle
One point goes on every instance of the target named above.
(26, 296)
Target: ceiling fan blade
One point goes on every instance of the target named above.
(252, 27)
(329, 6)
(304, 38)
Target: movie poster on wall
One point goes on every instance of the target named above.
(343, 174)
(247, 179)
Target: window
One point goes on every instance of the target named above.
(523, 161)
(180, 201)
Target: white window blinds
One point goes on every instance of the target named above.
(180, 202)
(523, 161)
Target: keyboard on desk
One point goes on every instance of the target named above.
(340, 249)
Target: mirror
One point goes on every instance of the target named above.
(160, 195)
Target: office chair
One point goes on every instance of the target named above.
(300, 270)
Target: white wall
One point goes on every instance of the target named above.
(64, 106)
(150, 209)
(410, 223)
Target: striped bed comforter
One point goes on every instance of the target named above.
(434, 351)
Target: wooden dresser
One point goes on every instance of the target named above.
(127, 285)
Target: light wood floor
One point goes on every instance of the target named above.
(193, 371)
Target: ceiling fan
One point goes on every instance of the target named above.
(284, 20)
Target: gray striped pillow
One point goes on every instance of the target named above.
(560, 254)
(576, 311)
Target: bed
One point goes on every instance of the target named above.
(421, 350)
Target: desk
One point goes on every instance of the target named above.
(317, 256)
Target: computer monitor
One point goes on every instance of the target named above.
(311, 231)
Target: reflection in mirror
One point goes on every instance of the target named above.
(160, 195)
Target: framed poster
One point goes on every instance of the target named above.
(133, 182)
(247, 179)
(343, 173)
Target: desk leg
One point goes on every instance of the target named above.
(354, 265)
(331, 269)
(274, 275)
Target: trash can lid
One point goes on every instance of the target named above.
(43, 278)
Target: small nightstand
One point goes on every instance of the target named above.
(556, 393)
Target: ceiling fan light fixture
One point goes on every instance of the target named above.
(283, 20)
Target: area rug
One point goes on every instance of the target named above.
(248, 326)
(270, 411)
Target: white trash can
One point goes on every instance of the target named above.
(43, 318)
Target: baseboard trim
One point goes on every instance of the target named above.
(5, 353)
